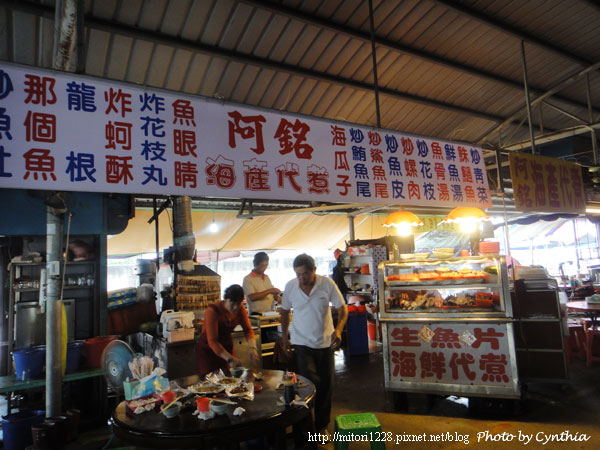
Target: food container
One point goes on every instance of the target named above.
(237, 372)
(172, 410)
(218, 407)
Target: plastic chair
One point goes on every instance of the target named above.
(362, 424)
(590, 334)
(575, 341)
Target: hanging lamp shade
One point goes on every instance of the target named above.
(465, 214)
(402, 217)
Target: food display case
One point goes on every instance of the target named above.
(447, 326)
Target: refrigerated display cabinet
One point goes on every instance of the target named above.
(447, 326)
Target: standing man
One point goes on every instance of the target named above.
(313, 336)
(259, 291)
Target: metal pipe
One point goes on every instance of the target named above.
(183, 232)
(351, 227)
(156, 230)
(65, 22)
(531, 135)
(555, 136)
(54, 229)
(65, 36)
(564, 83)
(374, 55)
(591, 116)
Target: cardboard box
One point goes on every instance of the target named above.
(180, 334)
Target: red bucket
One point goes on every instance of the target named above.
(372, 329)
(94, 348)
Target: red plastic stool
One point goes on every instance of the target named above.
(590, 334)
(575, 342)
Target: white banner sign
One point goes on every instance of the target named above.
(63, 131)
(453, 353)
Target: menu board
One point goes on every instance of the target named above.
(63, 131)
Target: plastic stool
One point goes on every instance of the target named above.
(358, 424)
(575, 342)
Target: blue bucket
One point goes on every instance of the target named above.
(29, 362)
(73, 356)
(16, 428)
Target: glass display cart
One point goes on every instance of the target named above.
(447, 326)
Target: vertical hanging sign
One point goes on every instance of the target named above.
(546, 184)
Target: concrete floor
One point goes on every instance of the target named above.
(546, 411)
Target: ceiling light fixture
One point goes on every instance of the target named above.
(213, 228)
(467, 217)
(403, 221)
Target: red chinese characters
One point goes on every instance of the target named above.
(494, 367)
(183, 112)
(186, 174)
(256, 176)
(220, 172)
(404, 364)
(317, 179)
(490, 337)
(292, 137)
(253, 130)
(185, 142)
(405, 337)
(408, 147)
(374, 138)
(118, 133)
(339, 136)
(39, 90)
(39, 163)
(445, 338)
(462, 355)
(40, 127)
(117, 101)
(344, 184)
(288, 172)
(462, 361)
(118, 169)
(432, 363)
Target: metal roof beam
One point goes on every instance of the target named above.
(559, 86)
(395, 46)
(508, 28)
(556, 136)
(174, 41)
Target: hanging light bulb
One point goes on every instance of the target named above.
(467, 217)
(403, 221)
(213, 228)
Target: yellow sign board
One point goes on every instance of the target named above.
(432, 223)
(546, 184)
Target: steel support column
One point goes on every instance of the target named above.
(531, 134)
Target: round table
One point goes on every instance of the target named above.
(264, 416)
(592, 310)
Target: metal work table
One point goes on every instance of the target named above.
(10, 383)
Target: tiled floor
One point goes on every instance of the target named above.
(547, 411)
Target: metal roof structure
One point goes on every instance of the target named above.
(448, 69)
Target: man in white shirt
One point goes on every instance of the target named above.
(259, 291)
(313, 335)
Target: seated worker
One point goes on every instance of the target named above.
(214, 349)
(260, 293)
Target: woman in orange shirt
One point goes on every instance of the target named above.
(214, 349)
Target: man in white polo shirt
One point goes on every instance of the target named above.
(313, 335)
(259, 291)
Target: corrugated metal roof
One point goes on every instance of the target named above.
(451, 70)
